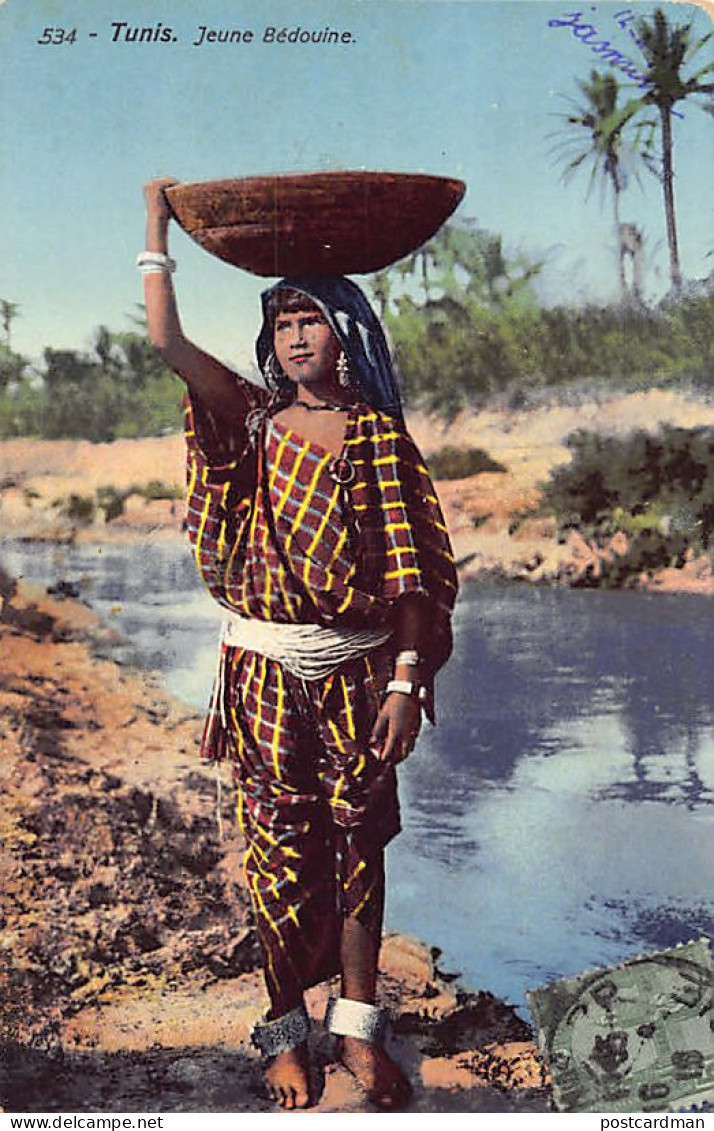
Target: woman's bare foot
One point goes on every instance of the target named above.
(383, 1081)
(288, 1077)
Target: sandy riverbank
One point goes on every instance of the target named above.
(484, 512)
(130, 976)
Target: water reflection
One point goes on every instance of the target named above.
(149, 593)
(560, 816)
(576, 758)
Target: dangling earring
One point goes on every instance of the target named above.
(274, 377)
(343, 371)
(268, 371)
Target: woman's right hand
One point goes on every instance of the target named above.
(157, 206)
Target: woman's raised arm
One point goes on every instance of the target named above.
(218, 387)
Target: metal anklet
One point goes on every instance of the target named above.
(284, 1033)
(348, 1018)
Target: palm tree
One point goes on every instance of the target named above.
(381, 291)
(668, 49)
(8, 312)
(418, 265)
(594, 138)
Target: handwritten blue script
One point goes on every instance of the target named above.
(590, 36)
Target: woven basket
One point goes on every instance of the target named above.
(335, 223)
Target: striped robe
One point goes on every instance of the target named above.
(276, 538)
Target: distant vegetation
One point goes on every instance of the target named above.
(453, 352)
(120, 388)
(466, 328)
(109, 500)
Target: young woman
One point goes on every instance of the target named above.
(316, 527)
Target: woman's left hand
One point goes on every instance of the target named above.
(396, 728)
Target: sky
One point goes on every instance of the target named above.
(467, 88)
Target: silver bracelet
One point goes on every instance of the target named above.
(408, 656)
(406, 687)
(149, 261)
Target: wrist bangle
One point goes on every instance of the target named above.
(407, 687)
(148, 261)
(409, 656)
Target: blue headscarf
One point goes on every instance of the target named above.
(356, 327)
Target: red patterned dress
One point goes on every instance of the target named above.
(277, 538)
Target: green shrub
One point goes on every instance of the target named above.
(460, 463)
(669, 475)
(658, 489)
(158, 489)
(111, 501)
(77, 508)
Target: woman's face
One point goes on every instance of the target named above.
(305, 346)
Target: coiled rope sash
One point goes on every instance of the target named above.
(309, 651)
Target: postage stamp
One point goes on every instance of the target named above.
(636, 1037)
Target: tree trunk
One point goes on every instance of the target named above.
(620, 247)
(424, 274)
(668, 189)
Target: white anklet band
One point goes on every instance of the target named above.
(347, 1018)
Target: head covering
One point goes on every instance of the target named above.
(356, 327)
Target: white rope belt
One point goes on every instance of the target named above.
(309, 651)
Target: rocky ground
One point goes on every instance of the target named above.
(129, 973)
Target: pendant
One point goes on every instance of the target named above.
(342, 471)
(322, 407)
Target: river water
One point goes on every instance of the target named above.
(560, 816)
